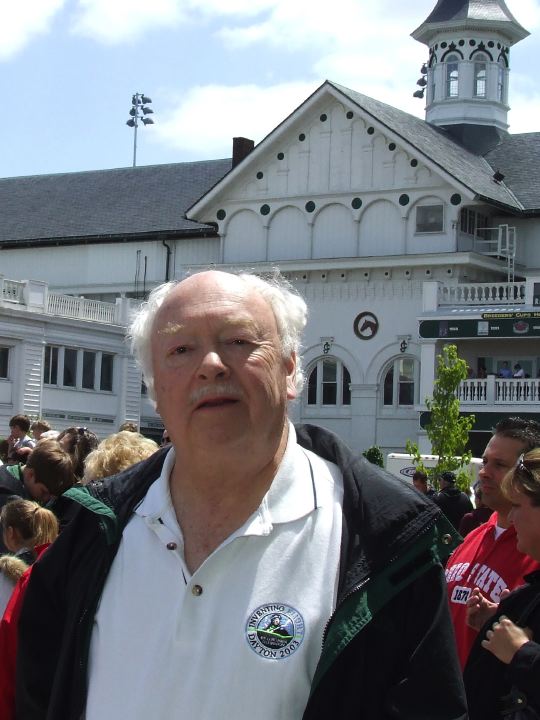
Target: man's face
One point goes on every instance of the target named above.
(220, 377)
(37, 491)
(420, 485)
(16, 432)
(500, 456)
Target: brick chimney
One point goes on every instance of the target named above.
(241, 148)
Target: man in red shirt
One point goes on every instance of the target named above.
(488, 558)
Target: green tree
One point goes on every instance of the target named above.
(447, 431)
(374, 455)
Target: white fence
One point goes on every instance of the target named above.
(75, 307)
(482, 294)
(11, 290)
(499, 391)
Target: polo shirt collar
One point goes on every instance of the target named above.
(291, 496)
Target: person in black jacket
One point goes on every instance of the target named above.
(451, 500)
(157, 597)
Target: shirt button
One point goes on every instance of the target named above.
(171, 546)
(197, 590)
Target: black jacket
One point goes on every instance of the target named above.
(388, 650)
(487, 679)
(454, 504)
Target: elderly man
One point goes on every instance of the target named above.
(204, 582)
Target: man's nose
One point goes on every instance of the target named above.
(212, 366)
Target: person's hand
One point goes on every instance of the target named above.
(479, 609)
(505, 638)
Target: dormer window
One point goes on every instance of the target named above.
(480, 70)
(452, 76)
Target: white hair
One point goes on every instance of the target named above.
(288, 307)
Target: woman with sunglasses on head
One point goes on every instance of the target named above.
(502, 675)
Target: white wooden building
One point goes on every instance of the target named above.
(402, 234)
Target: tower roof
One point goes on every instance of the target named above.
(476, 14)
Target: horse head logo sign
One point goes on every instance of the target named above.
(366, 326)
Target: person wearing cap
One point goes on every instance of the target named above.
(453, 502)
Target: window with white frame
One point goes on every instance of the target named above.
(4, 363)
(473, 223)
(77, 368)
(399, 386)
(452, 76)
(329, 383)
(429, 218)
(480, 74)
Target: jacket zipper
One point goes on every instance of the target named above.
(364, 582)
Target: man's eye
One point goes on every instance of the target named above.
(238, 341)
(180, 350)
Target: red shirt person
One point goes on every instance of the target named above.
(488, 558)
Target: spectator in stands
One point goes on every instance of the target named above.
(79, 443)
(20, 444)
(420, 482)
(454, 503)
(48, 472)
(38, 427)
(505, 371)
(117, 452)
(518, 371)
(476, 517)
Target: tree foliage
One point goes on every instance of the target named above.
(374, 455)
(447, 431)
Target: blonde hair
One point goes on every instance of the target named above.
(34, 524)
(525, 477)
(117, 452)
(12, 567)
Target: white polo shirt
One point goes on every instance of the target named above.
(241, 637)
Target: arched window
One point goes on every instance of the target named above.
(452, 76)
(480, 71)
(400, 380)
(329, 383)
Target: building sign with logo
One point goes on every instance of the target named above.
(493, 325)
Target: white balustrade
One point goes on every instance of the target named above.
(11, 290)
(76, 307)
(482, 294)
(499, 391)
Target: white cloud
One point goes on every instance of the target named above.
(22, 20)
(113, 21)
(210, 116)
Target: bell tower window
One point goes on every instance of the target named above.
(480, 70)
(452, 76)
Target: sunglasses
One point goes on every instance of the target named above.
(520, 465)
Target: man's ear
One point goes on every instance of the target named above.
(290, 365)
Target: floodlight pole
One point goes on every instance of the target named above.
(139, 110)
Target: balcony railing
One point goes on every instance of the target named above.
(499, 391)
(482, 294)
(11, 290)
(76, 307)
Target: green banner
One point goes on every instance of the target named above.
(522, 325)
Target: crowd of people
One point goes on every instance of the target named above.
(249, 554)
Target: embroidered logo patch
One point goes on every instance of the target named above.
(275, 631)
(460, 595)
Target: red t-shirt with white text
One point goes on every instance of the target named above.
(490, 564)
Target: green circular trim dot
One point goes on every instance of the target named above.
(260, 175)
(310, 206)
(472, 43)
(356, 203)
(461, 43)
(265, 209)
(221, 214)
(370, 130)
(414, 162)
(323, 117)
(302, 137)
(455, 199)
(443, 45)
(280, 156)
(392, 146)
(404, 199)
(350, 115)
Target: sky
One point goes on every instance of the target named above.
(214, 69)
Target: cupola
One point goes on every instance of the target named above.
(465, 79)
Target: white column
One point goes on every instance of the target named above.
(363, 416)
(428, 354)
